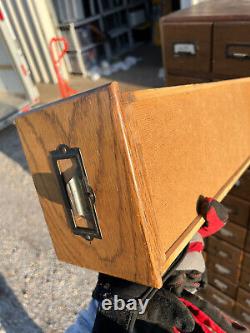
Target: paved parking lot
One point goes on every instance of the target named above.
(37, 292)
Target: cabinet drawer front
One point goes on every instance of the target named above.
(233, 234)
(238, 210)
(245, 280)
(225, 270)
(224, 251)
(187, 47)
(224, 285)
(243, 298)
(218, 298)
(232, 48)
(242, 314)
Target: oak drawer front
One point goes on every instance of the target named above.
(187, 47)
(242, 188)
(245, 280)
(224, 269)
(238, 209)
(178, 80)
(233, 234)
(243, 298)
(242, 314)
(224, 251)
(219, 299)
(222, 284)
(231, 49)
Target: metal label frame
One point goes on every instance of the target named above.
(64, 152)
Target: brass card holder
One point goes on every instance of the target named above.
(78, 196)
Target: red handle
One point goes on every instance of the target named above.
(64, 44)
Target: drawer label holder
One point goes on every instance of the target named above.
(184, 49)
(77, 195)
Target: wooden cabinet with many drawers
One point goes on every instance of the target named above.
(208, 41)
(228, 255)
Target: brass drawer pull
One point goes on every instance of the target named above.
(238, 51)
(220, 284)
(184, 49)
(226, 233)
(246, 317)
(223, 254)
(219, 300)
(221, 269)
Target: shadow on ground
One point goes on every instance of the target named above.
(10, 146)
(13, 317)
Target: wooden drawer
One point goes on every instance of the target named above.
(145, 168)
(224, 268)
(243, 298)
(246, 263)
(224, 251)
(231, 55)
(233, 234)
(218, 298)
(187, 47)
(245, 280)
(239, 210)
(242, 188)
(224, 285)
(178, 80)
(242, 314)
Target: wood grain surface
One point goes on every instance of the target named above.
(187, 141)
(91, 121)
(148, 155)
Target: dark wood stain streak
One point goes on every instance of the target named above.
(53, 119)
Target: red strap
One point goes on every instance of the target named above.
(201, 318)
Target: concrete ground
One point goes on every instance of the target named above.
(37, 292)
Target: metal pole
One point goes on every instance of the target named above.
(32, 41)
(23, 41)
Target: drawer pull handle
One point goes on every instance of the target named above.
(239, 55)
(219, 300)
(184, 49)
(238, 51)
(220, 284)
(226, 233)
(77, 195)
(246, 316)
(222, 269)
(223, 254)
(232, 210)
